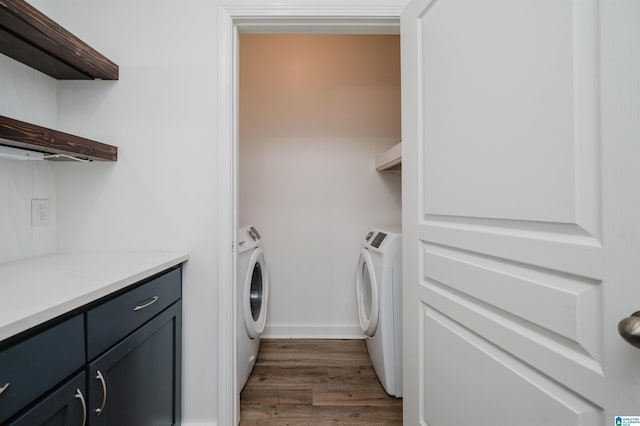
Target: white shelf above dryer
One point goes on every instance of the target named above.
(390, 160)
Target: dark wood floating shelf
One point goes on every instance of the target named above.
(19, 134)
(30, 37)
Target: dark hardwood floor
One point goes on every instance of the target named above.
(316, 382)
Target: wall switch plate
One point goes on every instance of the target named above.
(39, 212)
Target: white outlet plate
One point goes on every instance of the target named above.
(40, 212)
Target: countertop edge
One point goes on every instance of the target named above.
(27, 322)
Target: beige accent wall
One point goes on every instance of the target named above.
(315, 110)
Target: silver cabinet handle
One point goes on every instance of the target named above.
(629, 329)
(153, 300)
(100, 378)
(84, 406)
(4, 388)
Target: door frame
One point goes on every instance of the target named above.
(260, 17)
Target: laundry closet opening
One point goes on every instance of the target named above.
(314, 112)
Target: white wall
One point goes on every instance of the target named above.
(27, 95)
(315, 110)
(161, 194)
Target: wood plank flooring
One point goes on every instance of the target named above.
(316, 382)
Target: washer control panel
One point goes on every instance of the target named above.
(378, 239)
(253, 233)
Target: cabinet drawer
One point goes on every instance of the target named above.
(32, 367)
(112, 321)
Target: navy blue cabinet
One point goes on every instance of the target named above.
(134, 349)
(115, 362)
(137, 382)
(32, 367)
(64, 407)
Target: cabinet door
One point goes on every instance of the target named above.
(63, 407)
(137, 382)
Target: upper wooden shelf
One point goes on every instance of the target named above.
(37, 138)
(30, 37)
(390, 160)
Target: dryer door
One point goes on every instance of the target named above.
(367, 292)
(255, 295)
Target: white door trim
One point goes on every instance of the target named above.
(285, 16)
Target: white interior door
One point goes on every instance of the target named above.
(521, 211)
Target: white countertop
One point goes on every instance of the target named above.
(35, 290)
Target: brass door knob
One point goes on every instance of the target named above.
(629, 329)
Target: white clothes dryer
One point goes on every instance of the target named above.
(379, 294)
(252, 298)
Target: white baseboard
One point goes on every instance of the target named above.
(312, 332)
(199, 424)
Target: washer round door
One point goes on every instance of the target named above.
(367, 293)
(255, 295)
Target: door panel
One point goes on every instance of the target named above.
(511, 194)
(532, 121)
(518, 292)
(484, 367)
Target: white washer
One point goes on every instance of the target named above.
(379, 292)
(252, 298)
